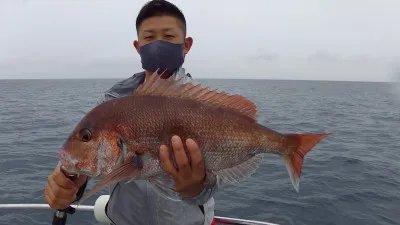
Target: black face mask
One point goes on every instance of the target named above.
(162, 55)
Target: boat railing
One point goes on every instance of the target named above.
(99, 212)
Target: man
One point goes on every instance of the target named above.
(162, 43)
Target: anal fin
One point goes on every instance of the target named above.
(240, 172)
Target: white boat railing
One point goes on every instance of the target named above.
(99, 212)
(89, 208)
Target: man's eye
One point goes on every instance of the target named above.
(148, 37)
(169, 36)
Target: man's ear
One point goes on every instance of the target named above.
(136, 45)
(188, 45)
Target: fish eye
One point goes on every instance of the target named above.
(85, 135)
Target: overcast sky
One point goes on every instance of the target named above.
(292, 39)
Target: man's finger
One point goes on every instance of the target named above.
(62, 180)
(59, 191)
(166, 163)
(57, 200)
(181, 157)
(50, 199)
(196, 155)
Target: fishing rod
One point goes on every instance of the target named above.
(60, 215)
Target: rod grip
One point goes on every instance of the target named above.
(60, 216)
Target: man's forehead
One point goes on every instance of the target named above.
(154, 29)
(164, 23)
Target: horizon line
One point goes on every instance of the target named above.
(272, 79)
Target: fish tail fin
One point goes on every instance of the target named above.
(299, 145)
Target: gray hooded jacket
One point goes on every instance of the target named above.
(136, 203)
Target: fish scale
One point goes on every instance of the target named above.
(134, 127)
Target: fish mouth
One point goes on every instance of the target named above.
(67, 162)
(69, 165)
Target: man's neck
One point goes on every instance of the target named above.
(148, 75)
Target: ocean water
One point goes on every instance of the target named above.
(351, 177)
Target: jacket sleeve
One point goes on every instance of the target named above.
(212, 184)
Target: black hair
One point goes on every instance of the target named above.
(160, 8)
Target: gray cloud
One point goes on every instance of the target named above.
(311, 39)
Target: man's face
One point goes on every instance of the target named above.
(166, 28)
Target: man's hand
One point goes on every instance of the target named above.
(60, 191)
(189, 177)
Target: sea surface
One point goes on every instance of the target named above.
(352, 177)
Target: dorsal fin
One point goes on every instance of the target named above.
(172, 87)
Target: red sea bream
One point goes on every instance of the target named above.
(120, 138)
